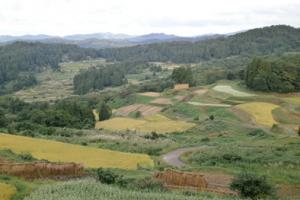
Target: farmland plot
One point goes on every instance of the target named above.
(150, 94)
(6, 191)
(63, 152)
(145, 110)
(162, 101)
(260, 111)
(157, 123)
(229, 90)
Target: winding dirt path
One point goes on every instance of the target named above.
(173, 158)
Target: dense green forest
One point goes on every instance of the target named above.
(261, 41)
(43, 118)
(18, 61)
(274, 74)
(99, 77)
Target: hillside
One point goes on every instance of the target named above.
(261, 41)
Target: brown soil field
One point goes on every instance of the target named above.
(41, 170)
(181, 86)
(162, 101)
(144, 109)
(209, 182)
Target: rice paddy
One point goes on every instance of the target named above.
(157, 123)
(261, 112)
(63, 152)
(7, 191)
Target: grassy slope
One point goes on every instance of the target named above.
(91, 190)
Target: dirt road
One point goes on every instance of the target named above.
(173, 158)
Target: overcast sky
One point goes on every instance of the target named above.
(181, 17)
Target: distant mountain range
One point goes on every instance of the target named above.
(107, 40)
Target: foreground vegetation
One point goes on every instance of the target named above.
(91, 190)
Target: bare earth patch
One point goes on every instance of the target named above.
(144, 109)
(162, 101)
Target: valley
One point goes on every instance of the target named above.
(130, 118)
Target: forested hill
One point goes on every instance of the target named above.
(20, 58)
(261, 41)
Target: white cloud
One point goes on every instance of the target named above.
(188, 17)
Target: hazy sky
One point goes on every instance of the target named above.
(182, 17)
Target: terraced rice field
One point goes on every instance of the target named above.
(63, 152)
(162, 101)
(209, 104)
(144, 109)
(260, 111)
(229, 90)
(157, 123)
(150, 94)
(7, 191)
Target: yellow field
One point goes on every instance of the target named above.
(63, 152)
(7, 191)
(157, 123)
(262, 112)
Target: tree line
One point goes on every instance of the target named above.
(274, 74)
(261, 41)
(20, 60)
(97, 78)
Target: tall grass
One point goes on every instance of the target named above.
(92, 190)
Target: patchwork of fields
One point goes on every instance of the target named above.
(154, 123)
(63, 152)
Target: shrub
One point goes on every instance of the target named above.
(104, 112)
(211, 117)
(252, 186)
(152, 136)
(206, 139)
(299, 131)
(231, 157)
(106, 176)
(26, 157)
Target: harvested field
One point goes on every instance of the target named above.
(157, 123)
(150, 94)
(260, 111)
(41, 170)
(229, 90)
(7, 191)
(209, 104)
(181, 86)
(144, 109)
(162, 101)
(217, 183)
(63, 152)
